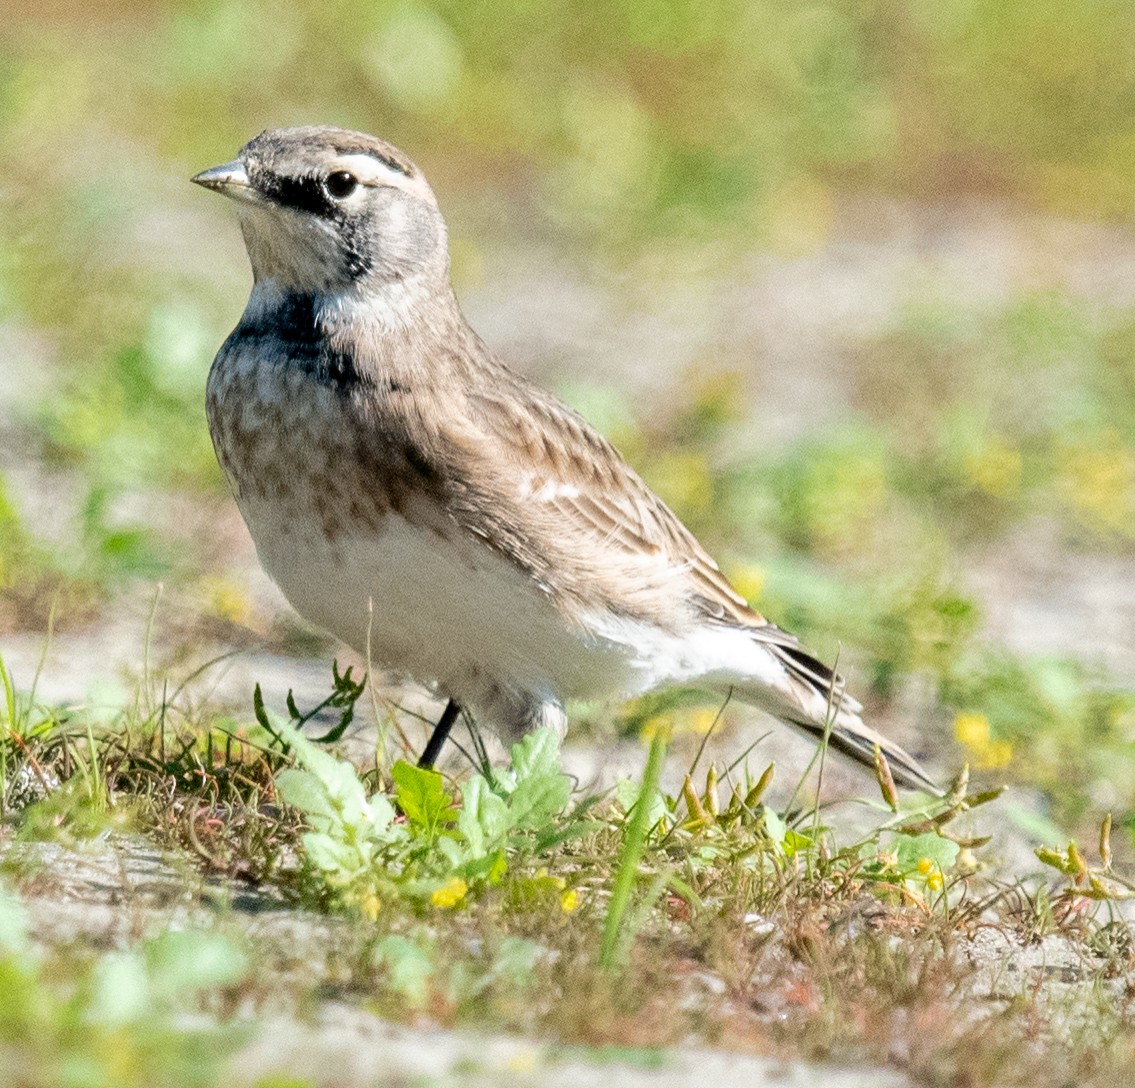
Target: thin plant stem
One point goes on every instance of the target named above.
(709, 732)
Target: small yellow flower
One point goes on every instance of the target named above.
(925, 865)
(998, 754)
(660, 723)
(226, 599)
(450, 894)
(684, 477)
(972, 730)
(934, 882)
(526, 1060)
(701, 721)
(1098, 482)
(569, 901)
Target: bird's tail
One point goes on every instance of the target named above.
(810, 696)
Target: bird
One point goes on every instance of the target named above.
(429, 506)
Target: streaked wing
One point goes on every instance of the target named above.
(565, 466)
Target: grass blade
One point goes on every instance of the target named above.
(633, 842)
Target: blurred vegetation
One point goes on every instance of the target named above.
(115, 1019)
(650, 132)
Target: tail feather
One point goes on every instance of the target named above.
(811, 697)
(851, 736)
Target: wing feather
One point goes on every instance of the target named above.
(576, 474)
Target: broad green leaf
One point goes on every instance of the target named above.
(331, 855)
(538, 753)
(484, 818)
(542, 789)
(539, 797)
(339, 777)
(345, 790)
(456, 852)
(303, 790)
(795, 843)
(627, 791)
(382, 817)
(776, 829)
(488, 867)
(422, 796)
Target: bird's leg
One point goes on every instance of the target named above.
(437, 738)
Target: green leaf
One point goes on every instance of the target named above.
(455, 852)
(382, 819)
(538, 753)
(536, 800)
(484, 817)
(911, 849)
(332, 855)
(345, 794)
(776, 828)
(422, 796)
(795, 843)
(627, 791)
(489, 867)
(302, 790)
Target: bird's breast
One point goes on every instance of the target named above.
(358, 537)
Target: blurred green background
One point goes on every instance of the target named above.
(944, 490)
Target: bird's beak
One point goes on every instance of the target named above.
(229, 179)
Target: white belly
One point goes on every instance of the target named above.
(440, 609)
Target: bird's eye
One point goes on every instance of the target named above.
(341, 184)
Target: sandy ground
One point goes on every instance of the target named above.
(118, 889)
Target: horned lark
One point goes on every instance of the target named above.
(383, 457)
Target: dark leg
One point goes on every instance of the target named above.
(437, 737)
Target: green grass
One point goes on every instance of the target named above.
(503, 898)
